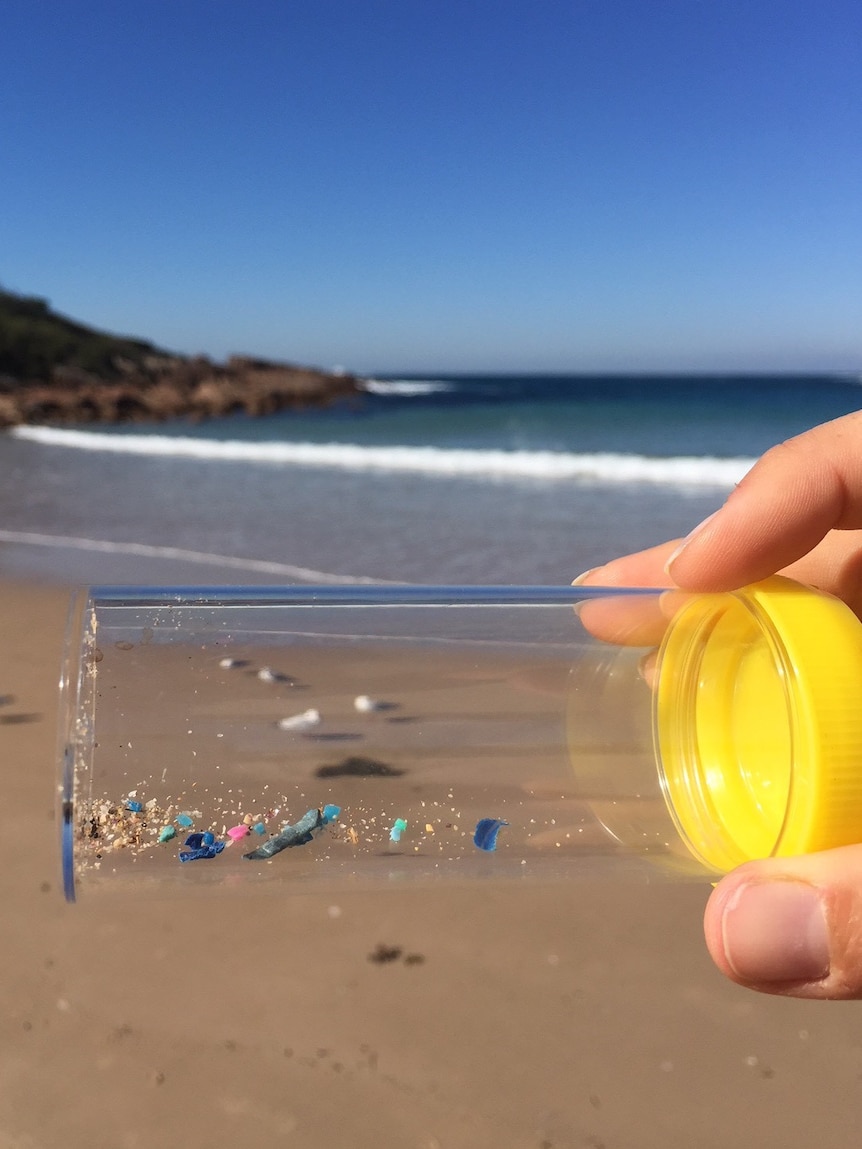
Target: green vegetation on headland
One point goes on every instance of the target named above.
(55, 370)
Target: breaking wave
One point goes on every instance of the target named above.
(547, 466)
(405, 388)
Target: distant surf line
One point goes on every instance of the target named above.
(405, 388)
(146, 550)
(546, 466)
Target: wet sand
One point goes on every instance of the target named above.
(486, 1014)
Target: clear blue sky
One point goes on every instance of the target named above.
(426, 185)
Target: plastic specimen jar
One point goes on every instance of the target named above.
(386, 734)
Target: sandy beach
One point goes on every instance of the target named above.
(543, 1017)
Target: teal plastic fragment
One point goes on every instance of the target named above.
(397, 830)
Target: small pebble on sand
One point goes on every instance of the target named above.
(304, 721)
(364, 704)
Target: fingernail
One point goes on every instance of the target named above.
(776, 932)
(582, 578)
(688, 538)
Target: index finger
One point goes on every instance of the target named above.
(786, 504)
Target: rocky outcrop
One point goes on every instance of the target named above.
(169, 387)
(57, 370)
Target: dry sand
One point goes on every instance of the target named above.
(544, 1018)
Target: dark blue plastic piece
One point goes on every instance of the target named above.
(200, 851)
(486, 833)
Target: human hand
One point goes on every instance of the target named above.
(789, 926)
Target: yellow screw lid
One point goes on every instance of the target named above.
(758, 722)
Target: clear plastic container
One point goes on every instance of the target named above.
(391, 734)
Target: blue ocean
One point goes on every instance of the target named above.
(446, 479)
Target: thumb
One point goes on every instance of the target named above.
(791, 926)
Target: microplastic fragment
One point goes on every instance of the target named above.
(237, 832)
(259, 828)
(397, 830)
(208, 838)
(184, 820)
(166, 833)
(201, 852)
(134, 807)
(330, 813)
(364, 704)
(487, 829)
(298, 834)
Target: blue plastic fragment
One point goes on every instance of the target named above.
(201, 851)
(330, 813)
(299, 834)
(209, 838)
(135, 807)
(195, 841)
(259, 828)
(487, 829)
(184, 820)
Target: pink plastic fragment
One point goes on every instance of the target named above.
(237, 832)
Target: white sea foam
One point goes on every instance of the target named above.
(548, 466)
(145, 550)
(407, 388)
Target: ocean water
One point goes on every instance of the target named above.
(469, 479)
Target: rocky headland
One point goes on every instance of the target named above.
(56, 370)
